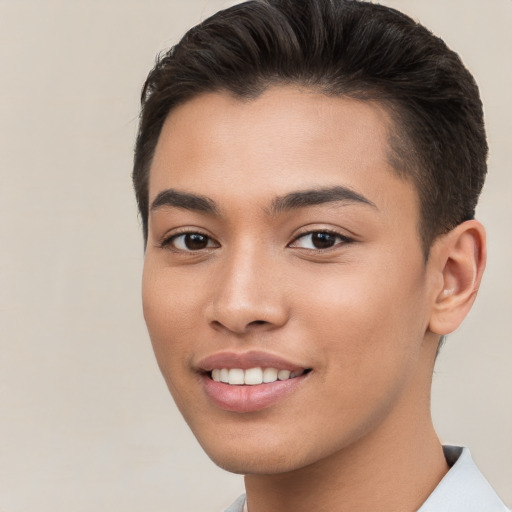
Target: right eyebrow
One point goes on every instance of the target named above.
(176, 199)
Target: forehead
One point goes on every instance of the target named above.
(286, 139)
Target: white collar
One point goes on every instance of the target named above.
(463, 488)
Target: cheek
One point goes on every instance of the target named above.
(368, 322)
(170, 306)
(172, 300)
(366, 335)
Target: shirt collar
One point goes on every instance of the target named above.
(463, 488)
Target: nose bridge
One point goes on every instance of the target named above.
(247, 293)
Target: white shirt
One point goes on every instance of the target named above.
(463, 488)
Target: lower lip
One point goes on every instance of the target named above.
(249, 398)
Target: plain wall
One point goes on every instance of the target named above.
(86, 422)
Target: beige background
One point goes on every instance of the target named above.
(86, 422)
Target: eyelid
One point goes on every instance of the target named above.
(344, 239)
(166, 241)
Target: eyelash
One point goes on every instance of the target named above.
(342, 239)
(167, 243)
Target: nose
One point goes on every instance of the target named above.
(248, 294)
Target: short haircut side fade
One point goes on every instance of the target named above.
(340, 48)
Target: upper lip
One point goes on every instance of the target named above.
(246, 360)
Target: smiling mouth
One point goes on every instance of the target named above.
(253, 376)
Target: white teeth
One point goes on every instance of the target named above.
(283, 374)
(236, 376)
(269, 375)
(224, 375)
(252, 376)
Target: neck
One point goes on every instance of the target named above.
(395, 467)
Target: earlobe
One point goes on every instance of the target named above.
(459, 261)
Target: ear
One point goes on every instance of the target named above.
(458, 261)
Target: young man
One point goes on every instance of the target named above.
(307, 174)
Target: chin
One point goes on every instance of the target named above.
(256, 456)
(259, 464)
(265, 455)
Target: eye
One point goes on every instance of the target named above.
(191, 241)
(318, 240)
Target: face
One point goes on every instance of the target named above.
(284, 288)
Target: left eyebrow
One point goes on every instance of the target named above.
(313, 197)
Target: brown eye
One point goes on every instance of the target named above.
(191, 242)
(320, 240)
(323, 240)
(195, 241)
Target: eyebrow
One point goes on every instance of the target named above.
(293, 200)
(185, 200)
(305, 198)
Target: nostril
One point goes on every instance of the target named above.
(254, 322)
(241, 328)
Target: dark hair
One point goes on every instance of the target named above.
(340, 48)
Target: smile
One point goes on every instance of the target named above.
(252, 376)
(250, 381)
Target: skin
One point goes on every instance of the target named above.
(364, 315)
